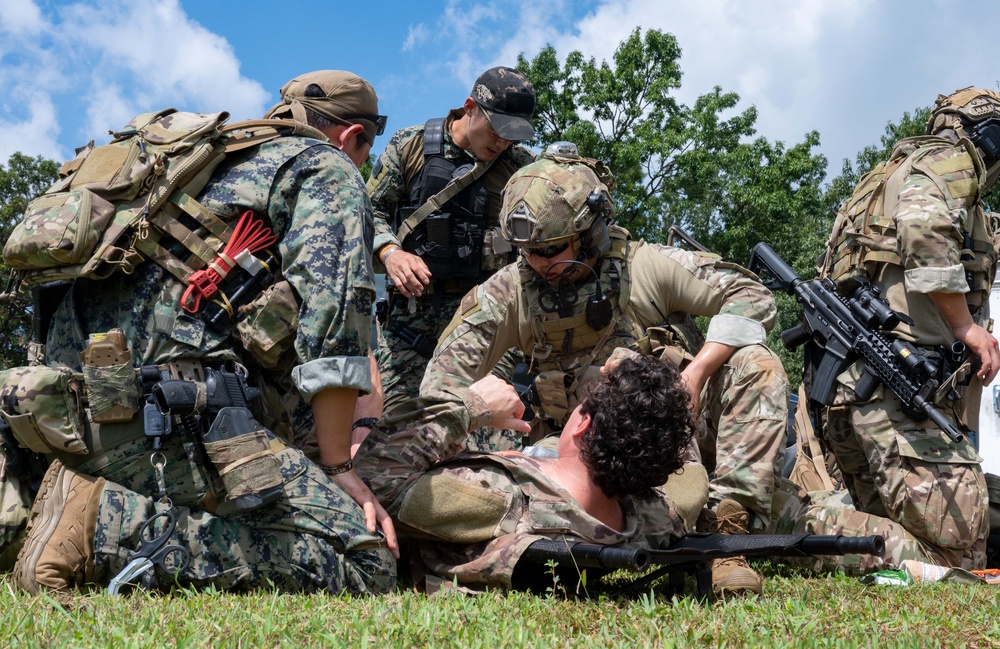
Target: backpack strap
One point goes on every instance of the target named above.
(434, 137)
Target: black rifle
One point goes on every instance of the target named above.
(846, 329)
(692, 552)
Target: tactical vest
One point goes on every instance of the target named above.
(451, 241)
(567, 351)
(864, 233)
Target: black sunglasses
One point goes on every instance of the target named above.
(378, 120)
(548, 252)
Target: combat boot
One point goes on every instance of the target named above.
(58, 552)
(732, 575)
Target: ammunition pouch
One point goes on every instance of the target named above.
(268, 329)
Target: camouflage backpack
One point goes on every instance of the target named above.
(113, 204)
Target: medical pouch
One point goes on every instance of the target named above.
(43, 407)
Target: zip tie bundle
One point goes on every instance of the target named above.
(250, 236)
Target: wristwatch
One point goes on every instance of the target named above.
(367, 422)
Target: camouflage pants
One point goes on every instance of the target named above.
(742, 431)
(832, 512)
(402, 367)
(908, 481)
(16, 495)
(312, 539)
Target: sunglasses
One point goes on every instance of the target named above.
(548, 252)
(378, 120)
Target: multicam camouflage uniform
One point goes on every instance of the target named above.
(471, 515)
(314, 537)
(402, 367)
(745, 401)
(907, 480)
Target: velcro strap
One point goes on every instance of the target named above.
(963, 188)
(952, 164)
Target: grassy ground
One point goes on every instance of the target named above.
(794, 611)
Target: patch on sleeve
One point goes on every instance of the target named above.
(470, 303)
(454, 509)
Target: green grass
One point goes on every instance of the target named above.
(794, 611)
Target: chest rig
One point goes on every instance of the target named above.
(568, 349)
(864, 233)
(450, 240)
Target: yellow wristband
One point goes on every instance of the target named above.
(388, 250)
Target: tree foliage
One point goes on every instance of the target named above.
(692, 166)
(21, 179)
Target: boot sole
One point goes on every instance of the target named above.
(52, 496)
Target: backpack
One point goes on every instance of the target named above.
(114, 204)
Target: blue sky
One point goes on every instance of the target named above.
(71, 70)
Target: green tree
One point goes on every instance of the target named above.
(691, 166)
(21, 179)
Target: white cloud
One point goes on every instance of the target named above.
(162, 58)
(114, 59)
(20, 17)
(35, 134)
(415, 37)
(843, 67)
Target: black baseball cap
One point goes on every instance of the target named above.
(508, 99)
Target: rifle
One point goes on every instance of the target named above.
(850, 328)
(690, 552)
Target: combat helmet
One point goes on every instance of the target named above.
(971, 113)
(560, 196)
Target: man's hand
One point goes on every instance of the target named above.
(504, 403)
(408, 272)
(984, 345)
(956, 313)
(374, 512)
(617, 356)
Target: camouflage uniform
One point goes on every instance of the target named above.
(745, 401)
(906, 478)
(493, 506)
(314, 537)
(402, 367)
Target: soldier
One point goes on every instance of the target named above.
(436, 193)
(580, 289)
(471, 515)
(314, 526)
(915, 228)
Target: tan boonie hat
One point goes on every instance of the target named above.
(337, 95)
